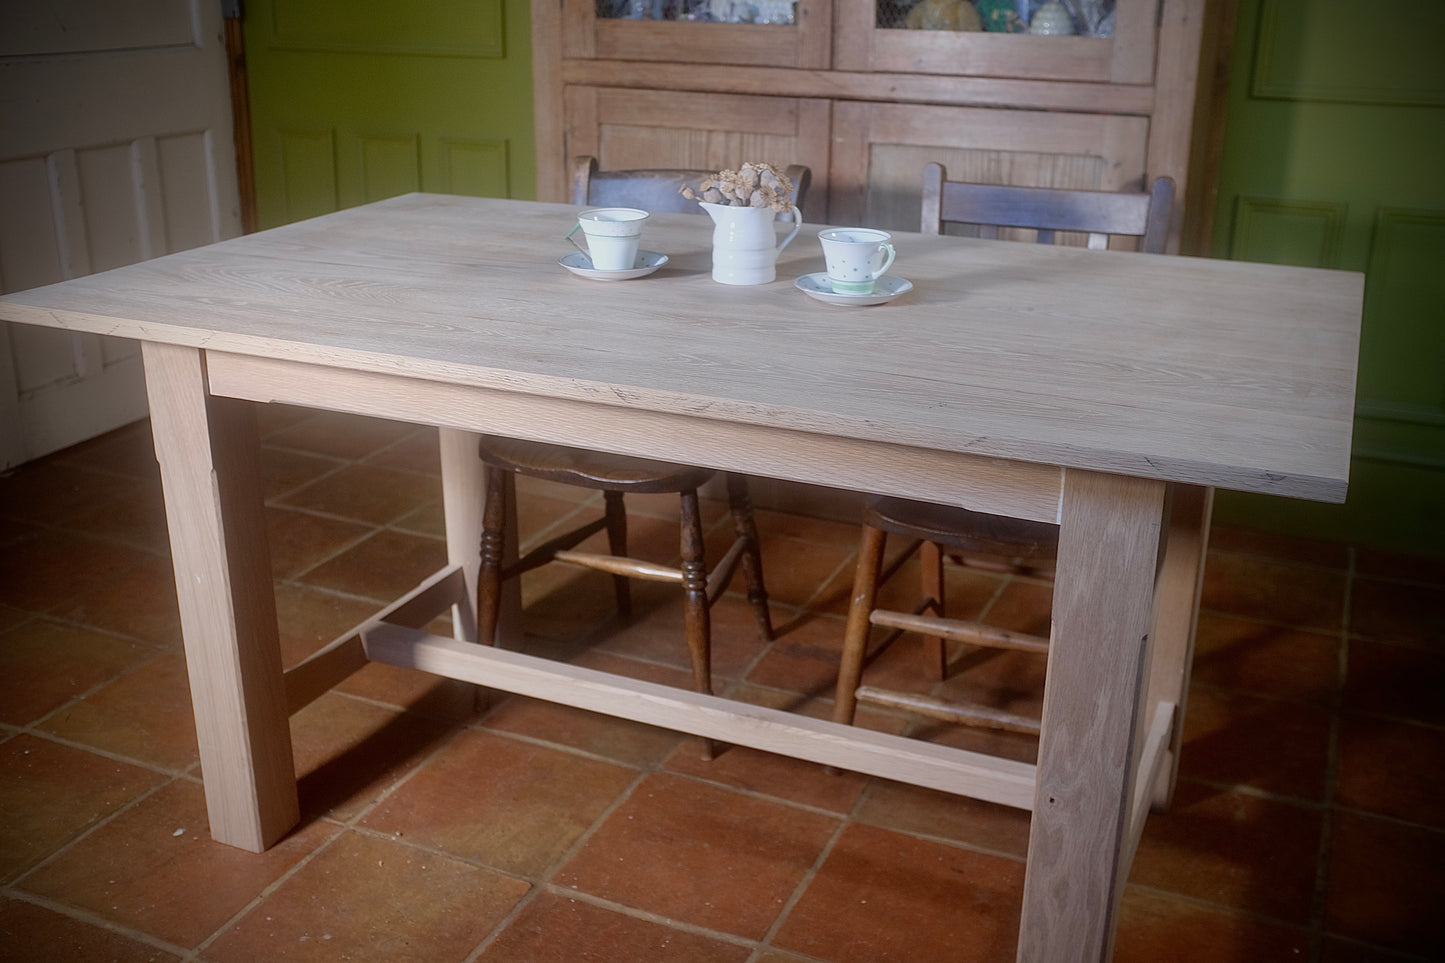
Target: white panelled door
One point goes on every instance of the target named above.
(115, 146)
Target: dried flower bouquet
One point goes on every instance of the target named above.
(752, 185)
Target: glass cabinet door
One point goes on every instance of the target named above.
(759, 33)
(1096, 41)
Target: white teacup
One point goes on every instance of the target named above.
(612, 236)
(856, 257)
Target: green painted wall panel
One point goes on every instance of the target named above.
(461, 28)
(308, 173)
(1402, 357)
(1327, 50)
(1335, 134)
(1300, 233)
(477, 168)
(432, 97)
(389, 166)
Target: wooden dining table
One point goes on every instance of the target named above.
(1107, 392)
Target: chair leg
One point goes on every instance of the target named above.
(694, 587)
(697, 621)
(617, 545)
(500, 492)
(935, 649)
(741, 504)
(855, 634)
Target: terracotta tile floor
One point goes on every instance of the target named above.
(1307, 825)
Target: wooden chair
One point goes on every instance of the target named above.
(656, 190)
(936, 530)
(615, 475)
(1046, 210)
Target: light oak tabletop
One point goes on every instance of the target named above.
(1201, 371)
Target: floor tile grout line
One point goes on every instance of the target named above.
(53, 528)
(146, 659)
(337, 465)
(1395, 955)
(544, 879)
(547, 881)
(343, 826)
(562, 747)
(1320, 897)
(1278, 559)
(255, 903)
(33, 616)
(947, 841)
(83, 915)
(661, 768)
(90, 830)
(1226, 909)
(1398, 822)
(553, 889)
(108, 754)
(806, 881)
(336, 593)
(843, 566)
(1255, 792)
(1266, 623)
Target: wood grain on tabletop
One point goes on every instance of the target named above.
(1211, 372)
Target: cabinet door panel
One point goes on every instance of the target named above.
(880, 150)
(625, 128)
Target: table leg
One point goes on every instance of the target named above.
(1092, 719)
(463, 491)
(1176, 614)
(207, 449)
(464, 487)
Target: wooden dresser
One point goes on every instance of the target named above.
(866, 107)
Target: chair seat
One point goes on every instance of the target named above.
(962, 529)
(590, 469)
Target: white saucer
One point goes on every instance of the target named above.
(885, 289)
(647, 262)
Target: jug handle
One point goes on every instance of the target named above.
(797, 226)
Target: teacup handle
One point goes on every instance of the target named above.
(887, 263)
(797, 226)
(585, 253)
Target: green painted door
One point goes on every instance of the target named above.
(1334, 156)
(353, 101)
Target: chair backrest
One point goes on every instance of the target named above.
(655, 190)
(1047, 210)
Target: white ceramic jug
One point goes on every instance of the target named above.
(745, 247)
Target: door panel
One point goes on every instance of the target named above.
(115, 146)
(1335, 130)
(353, 101)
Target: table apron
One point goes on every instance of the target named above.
(995, 485)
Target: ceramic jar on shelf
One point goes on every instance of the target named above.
(1052, 20)
(944, 15)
